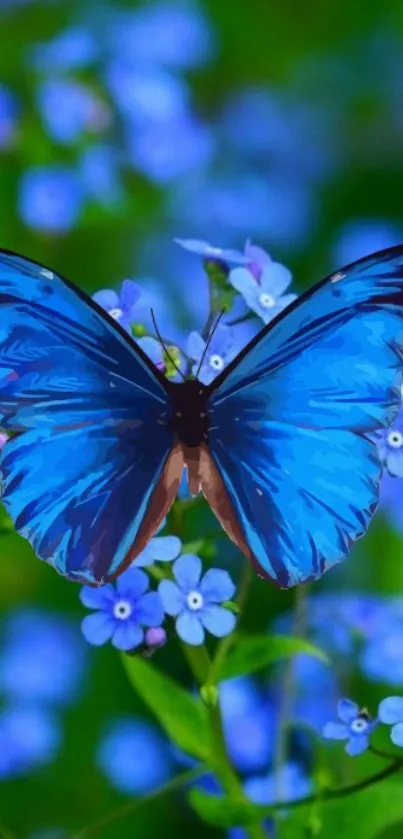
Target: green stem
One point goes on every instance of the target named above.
(199, 663)
(130, 807)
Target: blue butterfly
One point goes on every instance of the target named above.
(280, 443)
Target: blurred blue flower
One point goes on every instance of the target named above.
(153, 149)
(70, 109)
(134, 756)
(222, 348)
(381, 658)
(249, 724)
(99, 170)
(265, 295)
(153, 349)
(122, 612)
(355, 727)
(361, 237)
(147, 97)
(208, 251)
(8, 117)
(390, 712)
(122, 307)
(50, 198)
(29, 737)
(159, 549)
(391, 499)
(70, 49)
(315, 691)
(175, 34)
(390, 447)
(288, 784)
(42, 658)
(194, 601)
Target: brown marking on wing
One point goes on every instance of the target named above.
(160, 502)
(214, 490)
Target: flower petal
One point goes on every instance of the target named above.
(217, 586)
(357, 745)
(209, 251)
(152, 348)
(97, 598)
(187, 571)
(218, 621)
(275, 279)
(396, 735)
(394, 463)
(347, 710)
(132, 583)
(335, 731)
(130, 293)
(171, 596)
(127, 635)
(165, 548)
(243, 281)
(98, 628)
(391, 710)
(149, 610)
(195, 346)
(286, 300)
(107, 299)
(190, 629)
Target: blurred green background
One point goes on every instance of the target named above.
(221, 120)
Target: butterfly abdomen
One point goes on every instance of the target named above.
(190, 413)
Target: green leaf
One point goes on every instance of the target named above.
(346, 816)
(182, 716)
(256, 652)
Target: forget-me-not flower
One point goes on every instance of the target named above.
(122, 307)
(70, 49)
(263, 289)
(50, 198)
(222, 348)
(134, 756)
(195, 600)
(121, 612)
(208, 251)
(29, 737)
(81, 111)
(355, 726)
(390, 712)
(159, 549)
(390, 447)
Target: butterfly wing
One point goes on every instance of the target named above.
(91, 466)
(293, 471)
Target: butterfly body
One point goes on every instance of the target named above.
(280, 443)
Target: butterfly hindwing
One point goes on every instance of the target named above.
(291, 418)
(85, 405)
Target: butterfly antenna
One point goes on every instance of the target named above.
(208, 342)
(164, 346)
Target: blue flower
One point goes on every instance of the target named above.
(288, 784)
(50, 198)
(222, 348)
(82, 111)
(359, 237)
(154, 638)
(159, 549)
(122, 307)
(71, 49)
(169, 34)
(249, 724)
(100, 174)
(381, 658)
(134, 756)
(29, 737)
(391, 499)
(265, 294)
(43, 658)
(147, 97)
(390, 712)
(208, 251)
(8, 116)
(154, 350)
(153, 149)
(122, 612)
(194, 601)
(355, 727)
(390, 447)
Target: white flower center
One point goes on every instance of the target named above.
(395, 439)
(194, 601)
(116, 313)
(359, 725)
(122, 610)
(266, 300)
(216, 362)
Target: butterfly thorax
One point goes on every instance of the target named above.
(189, 414)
